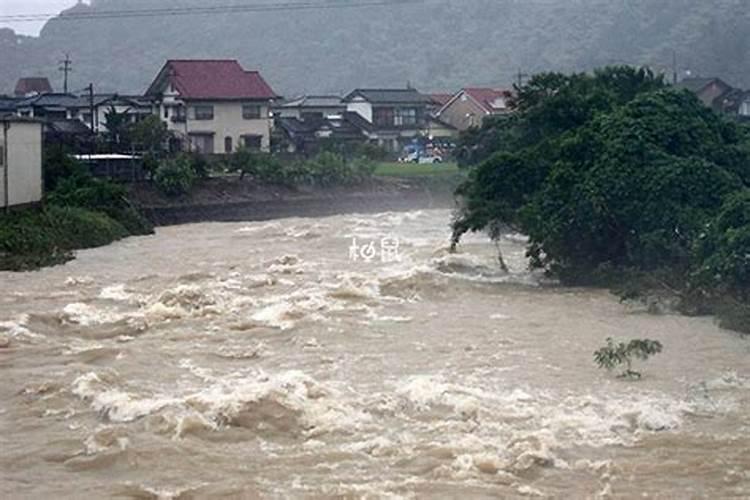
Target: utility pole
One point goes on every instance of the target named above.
(674, 67)
(66, 68)
(91, 110)
(521, 76)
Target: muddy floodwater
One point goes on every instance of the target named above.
(279, 360)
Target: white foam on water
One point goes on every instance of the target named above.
(87, 315)
(289, 402)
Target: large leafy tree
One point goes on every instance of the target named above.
(609, 170)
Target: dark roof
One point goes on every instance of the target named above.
(390, 96)
(211, 79)
(315, 101)
(28, 85)
(68, 127)
(358, 121)
(50, 101)
(8, 103)
(696, 85)
(343, 125)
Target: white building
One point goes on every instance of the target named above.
(20, 161)
(214, 105)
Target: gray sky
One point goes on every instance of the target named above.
(14, 7)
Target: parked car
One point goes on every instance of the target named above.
(429, 159)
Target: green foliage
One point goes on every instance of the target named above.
(150, 134)
(118, 129)
(326, 169)
(612, 174)
(175, 177)
(57, 164)
(98, 195)
(33, 238)
(614, 355)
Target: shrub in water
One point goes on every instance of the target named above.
(614, 355)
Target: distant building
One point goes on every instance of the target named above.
(27, 87)
(394, 116)
(711, 91)
(20, 161)
(315, 107)
(470, 106)
(215, 106)
(307, 136)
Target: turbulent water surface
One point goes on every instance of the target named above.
(253, 360)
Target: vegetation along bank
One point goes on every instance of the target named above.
(619, 180)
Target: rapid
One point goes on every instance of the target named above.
(280, 360)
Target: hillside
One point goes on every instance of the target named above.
(434, 45)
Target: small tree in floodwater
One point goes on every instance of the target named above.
(615, 355)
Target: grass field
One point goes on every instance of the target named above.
(416, 170)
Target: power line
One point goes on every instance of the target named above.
(221, 9)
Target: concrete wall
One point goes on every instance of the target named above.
(22, 142)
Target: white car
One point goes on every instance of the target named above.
(429, 159)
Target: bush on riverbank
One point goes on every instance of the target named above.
(80, 212)
(614, 175)
(38, 237)
(324, 170)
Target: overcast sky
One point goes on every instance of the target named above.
(15, 7)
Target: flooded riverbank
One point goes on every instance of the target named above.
(284, 359)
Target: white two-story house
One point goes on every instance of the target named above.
(215, 106)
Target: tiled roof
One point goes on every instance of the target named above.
(441, 99)
(488, 98)
(315, 101)
(390, 96)
(696, 85)
(213, 79)
(29, 85)
(8, 103)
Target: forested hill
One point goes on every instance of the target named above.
(433, 44)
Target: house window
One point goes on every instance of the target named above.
(405, 117)
(254, 142)
(228, 145)
(205, 112)
(202, 143)
(166, 112)
(251, 112)
(383, 117)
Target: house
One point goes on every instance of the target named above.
(132, 108)
(470, 106)
(316, 107)
(214, 106)
(20, 161)
(711, 91)
(49, 106)
(27, 87)
(394, 116)
(307, 136)
(438, 101)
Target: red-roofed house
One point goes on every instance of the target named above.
(215, 104)
(470, 106)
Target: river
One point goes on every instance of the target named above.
(269, 360)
